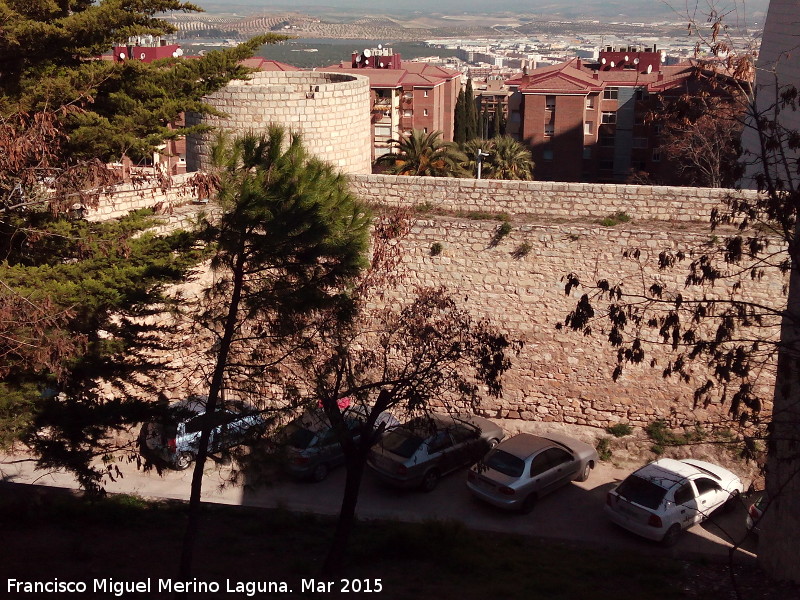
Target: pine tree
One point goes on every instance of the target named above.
(308, 247)
(76, 291)
(460, 119)
(487, 125)
(499, 122)
(472, 127)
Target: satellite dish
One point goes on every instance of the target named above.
(122, 56)
(175, 54)
(636, 61)
(142, 56)
(358, 58)
(649, 69)
(602, 61)
(367, 53)
(382, 65)
(179, 52)
(626, 58)
(380, 46)
(612, 64)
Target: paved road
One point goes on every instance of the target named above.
(572, 514)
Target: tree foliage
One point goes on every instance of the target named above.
(291, 239)
(750, 349)
(460, 120)
(79, 296)
(508, 158)
(701, 132)
(426, 154)
(471, 120)
(426, 354)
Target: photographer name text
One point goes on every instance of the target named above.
(250, 589)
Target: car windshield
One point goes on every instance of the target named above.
(299, 437)
(642, 492)
(210, 420)
(401, 442)
(505, 463)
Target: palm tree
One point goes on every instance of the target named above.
(509, 159)
(422, 153)
(470, 149)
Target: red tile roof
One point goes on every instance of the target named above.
(574, 77)
(413, 74)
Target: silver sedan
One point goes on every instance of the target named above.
(524, 467)
(418, 453)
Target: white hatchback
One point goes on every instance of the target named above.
(667, 496)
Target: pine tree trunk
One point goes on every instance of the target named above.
(334, 562)
(193, 523)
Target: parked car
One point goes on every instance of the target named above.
(755, 511)
(667, 496)
(176, 438)
(312, 446)
(420, 452)
(524, 467)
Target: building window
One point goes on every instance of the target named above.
(408, 113)
(424, 130)
(550, 102)
(424, 112)
(610, 93)
(606, 140)
(383, 131)
(549, 129)
(587, 152)
(547, 155)
(425, 93)
(606, 164)
(656, 154)
(590, 102)
(588, 128)
(608, 117)
(640, 142)
(641, 94)
(657, 128)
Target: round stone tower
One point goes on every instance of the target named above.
(330, 110)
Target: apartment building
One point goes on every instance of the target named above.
(586, 121)
(406, 95)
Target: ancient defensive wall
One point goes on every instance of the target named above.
(517, 281)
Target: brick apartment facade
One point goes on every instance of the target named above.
(585, 122)
(405, 95)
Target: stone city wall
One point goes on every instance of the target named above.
(517, 282)
(331, 110)
(551, 199)
(148, 193)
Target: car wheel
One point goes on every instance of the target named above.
(732, 501)
(671, 537)
(529, 503)
(430, 481)
(493, 442)
(183, 460)
(587, 470)
(320, 472)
